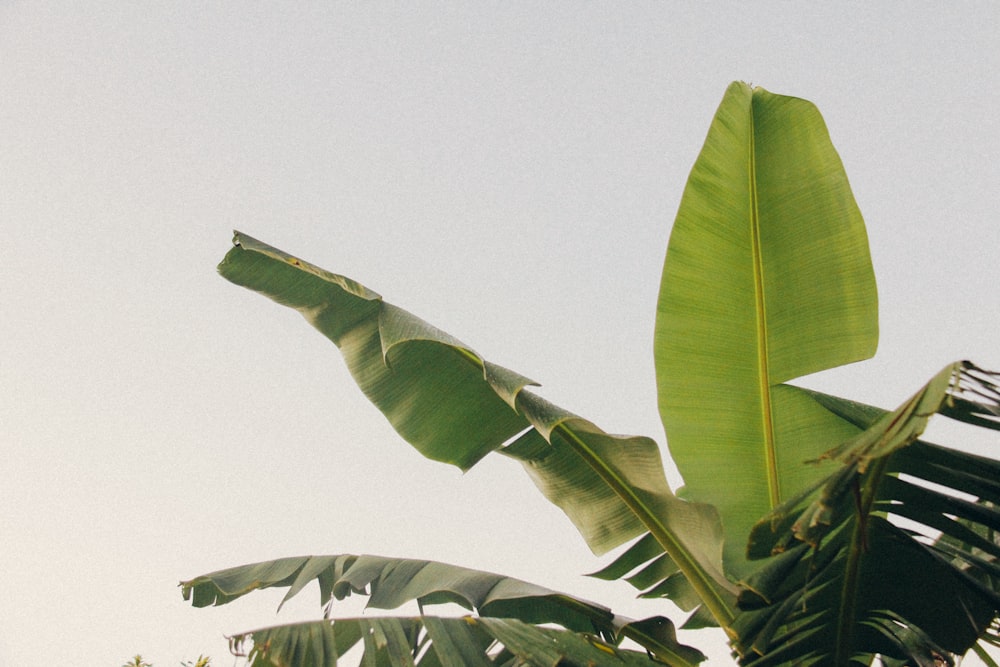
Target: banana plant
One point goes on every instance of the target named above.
(811, 529)
(455, 407)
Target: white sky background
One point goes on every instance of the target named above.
(507, 172)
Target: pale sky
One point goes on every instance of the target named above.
(507, 171)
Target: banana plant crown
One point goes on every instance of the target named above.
(812, 529)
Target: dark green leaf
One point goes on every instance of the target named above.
(857, 585)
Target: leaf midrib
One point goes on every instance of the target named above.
(763, 369)
(708, 590)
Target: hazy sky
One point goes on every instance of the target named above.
(507, 171)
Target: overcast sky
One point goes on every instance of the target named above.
(507, 171)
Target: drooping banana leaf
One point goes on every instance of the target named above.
(846, 579)
(454, 406)
(392, 582)
(429, 641)
(767, 278)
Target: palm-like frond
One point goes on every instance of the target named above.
(391, 582)
(844, 582)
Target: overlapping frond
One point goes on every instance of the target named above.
(893, 554)
(430, 641)
(392, 582)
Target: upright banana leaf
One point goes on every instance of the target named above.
(846, 583)
(767, 278)
(391, 582)
(454, 406)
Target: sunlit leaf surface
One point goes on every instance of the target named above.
(767, 278)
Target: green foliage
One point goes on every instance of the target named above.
(767, 278)
(844, 578)
(391, 582)
(813, 530)
(429, 641)
(202, 661)
(437, 391)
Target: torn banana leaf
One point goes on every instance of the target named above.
(392, 582)
(893, 554)
(429, 641)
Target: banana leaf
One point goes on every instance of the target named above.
(767, 278)
(429, 641)
(893, 554)
(392, 582)
(453, 406)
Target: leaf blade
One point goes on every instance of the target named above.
(767, 278)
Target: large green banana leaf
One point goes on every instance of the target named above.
(767, 278)
(391, 582)
(846, 583)
(454, 406)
